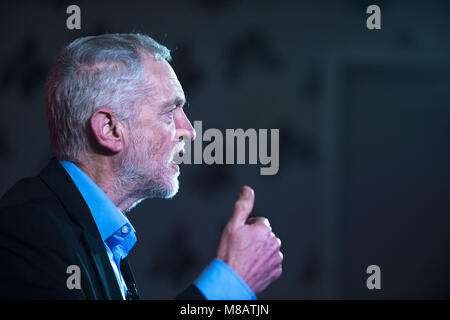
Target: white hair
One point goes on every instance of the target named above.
(91, 73)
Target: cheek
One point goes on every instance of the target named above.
(165, 145)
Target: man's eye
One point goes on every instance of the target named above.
(170, 114)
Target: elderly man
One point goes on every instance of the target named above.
(114, 109)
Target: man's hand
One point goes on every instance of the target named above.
(248, 245)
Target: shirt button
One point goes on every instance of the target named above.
(124, 229)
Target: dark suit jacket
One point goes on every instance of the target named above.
(46, 226)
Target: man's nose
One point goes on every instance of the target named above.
(184, 128)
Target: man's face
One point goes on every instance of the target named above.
(157, 135)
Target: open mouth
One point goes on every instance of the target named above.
(176, 158)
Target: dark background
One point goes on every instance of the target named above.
(364, 119)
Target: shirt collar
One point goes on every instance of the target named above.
(108, 218)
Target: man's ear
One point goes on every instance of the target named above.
(107, 130)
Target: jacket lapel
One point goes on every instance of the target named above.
(103, 267)
(127, 274)
(57, 179)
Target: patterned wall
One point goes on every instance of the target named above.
(311, 69)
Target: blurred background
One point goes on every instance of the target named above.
(364, 120)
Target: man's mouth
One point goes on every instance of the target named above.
(176, 157)
(179, 153)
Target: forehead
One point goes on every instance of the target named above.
(163, 81)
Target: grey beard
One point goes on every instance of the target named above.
(133, 183)
(136, 181)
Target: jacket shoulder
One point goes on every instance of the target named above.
(30, 199)
(23, 191)
(36, 237)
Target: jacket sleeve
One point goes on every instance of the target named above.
(190, 293)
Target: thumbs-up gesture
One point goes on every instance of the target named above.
(249, 246)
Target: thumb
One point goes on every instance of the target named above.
(243, 207)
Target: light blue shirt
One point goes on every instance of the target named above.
(115, 229)
(217, 282)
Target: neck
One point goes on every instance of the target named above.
(101, 171)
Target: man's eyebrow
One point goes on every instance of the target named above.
(177, 101)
